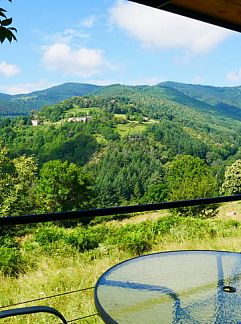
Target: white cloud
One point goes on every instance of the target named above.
(146, 81)
(102, 82)
(89, 22)
(67, 36)
(141, 81)
(8, 70)
(83, 62)
(198, 79)
(25, 87)
(163, 30)
(234, 76)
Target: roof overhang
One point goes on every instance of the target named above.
(223, 13)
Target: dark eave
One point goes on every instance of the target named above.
(223, 13)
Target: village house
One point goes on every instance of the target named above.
(35, 122)
(83, 119)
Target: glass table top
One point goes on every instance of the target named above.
(172, 287)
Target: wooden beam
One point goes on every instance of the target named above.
(223, 13)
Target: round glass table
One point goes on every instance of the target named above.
(172, 287)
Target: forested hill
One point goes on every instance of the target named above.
(4, 96)
(208, 94)
(134, 144)
(22, 104)
(224, 101)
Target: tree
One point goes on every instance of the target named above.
(232, 179)
(188, 177)
(156, 190)
(125, 170)
(63, 186)
(17, 179)
(6, 32)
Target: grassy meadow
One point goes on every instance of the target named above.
(55, 259)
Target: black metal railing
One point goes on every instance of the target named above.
(120, 210)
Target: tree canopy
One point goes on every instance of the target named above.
(17, 178)
(188, 177)
(6, 30)
(232, 179)
(63, 186)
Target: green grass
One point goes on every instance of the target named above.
(59, 259)
(100, 139)
(56, 275)
(130, 128)
(122, 116)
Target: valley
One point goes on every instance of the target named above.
(82, 146)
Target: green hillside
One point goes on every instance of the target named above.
(210, 94)
(13, 109)
(224, 100)
(123, 107)
(129, 116)
(23, 104)
(57, 93)
(140, 134)
(4, 96)
(221, 101)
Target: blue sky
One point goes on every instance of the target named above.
(112, 41)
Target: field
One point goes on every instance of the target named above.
(130, 128)
(59, 259)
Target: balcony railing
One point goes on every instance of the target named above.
(120, 210)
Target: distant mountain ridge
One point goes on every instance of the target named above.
(22, 104)
(63, 91)
(224, 101)
(212, 95)
(4, 96)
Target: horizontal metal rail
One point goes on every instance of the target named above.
(89, 213)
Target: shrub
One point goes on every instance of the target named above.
(87, 238)
(49, 234)
(137, 242)
(136, 238)
(11, 261)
